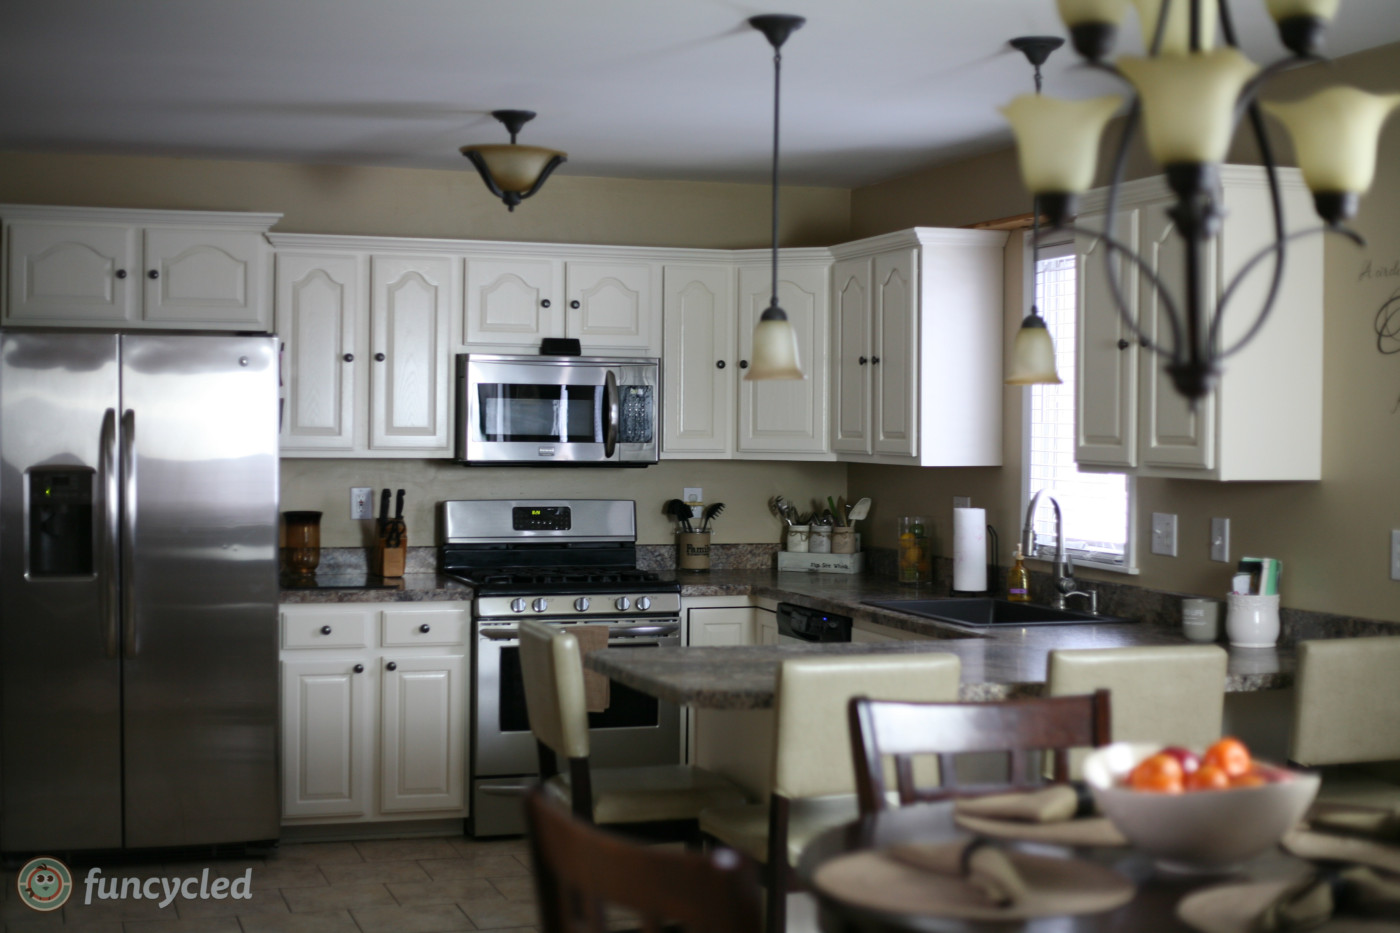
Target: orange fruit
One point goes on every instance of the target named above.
(1229, 755)
(1207, 777)
(1249, 779)
(1158, 773)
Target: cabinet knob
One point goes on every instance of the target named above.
(743, 364)
(121, 273)
(391, 666)
(325, 630)
(719, 364)
(349, 357)
(574, 304)
(1123, 343)
(153, 274)
(379, 357)
(862, 361)
(1142, 342)
(358, 668)
(544, 303)
(425, 628)
(874, 361)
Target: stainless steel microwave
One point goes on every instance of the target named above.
(564, 410)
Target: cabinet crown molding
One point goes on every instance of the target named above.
(941, 237)
(139, 217)
(1154, 187)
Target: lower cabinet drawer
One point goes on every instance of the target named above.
(414, 628)
(326, 628)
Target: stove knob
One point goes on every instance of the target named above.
(623, 604)
(540, 605)
(581, 604)
(643, 603)
(517, 605)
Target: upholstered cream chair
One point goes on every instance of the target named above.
(1346, 718)
(1162, 693)
(813, 776)
(660, 800)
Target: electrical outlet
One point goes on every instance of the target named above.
(696, 496)
(1395, 554)
(962, 502)
(1164, 534)
(1220, 539)
(361, 502)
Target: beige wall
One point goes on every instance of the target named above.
(1333, 536)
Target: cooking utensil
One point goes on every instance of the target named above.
(834, 512)
(394, 533)
(711, 511)
(681, 512)
(859, 510)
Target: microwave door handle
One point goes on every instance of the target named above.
(611, 407)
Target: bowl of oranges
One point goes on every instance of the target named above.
(1210, 810)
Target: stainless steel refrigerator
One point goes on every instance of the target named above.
(138, 590)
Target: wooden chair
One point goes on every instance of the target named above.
(581, 871)
(813, 780)
(1016, 727)
(660, 801)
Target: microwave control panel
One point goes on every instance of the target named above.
(541, 518)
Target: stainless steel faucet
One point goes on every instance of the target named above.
(1065, 584)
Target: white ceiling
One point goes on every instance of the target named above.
(678, 89)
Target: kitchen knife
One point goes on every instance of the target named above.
(398, 505)
(383, 511)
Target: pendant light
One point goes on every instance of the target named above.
(514, 172)
(774, 340)
(1033, 352)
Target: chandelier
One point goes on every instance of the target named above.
(513, 172)
(1189, 96)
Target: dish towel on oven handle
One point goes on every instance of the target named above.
(596, 687)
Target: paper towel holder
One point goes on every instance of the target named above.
(993, 549)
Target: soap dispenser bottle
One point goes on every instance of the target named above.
(1018, 581)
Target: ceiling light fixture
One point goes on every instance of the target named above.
(774, 340)
(1033, 352)
(1190, 95)
(514, 172)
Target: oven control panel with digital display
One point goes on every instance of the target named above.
(541, 518)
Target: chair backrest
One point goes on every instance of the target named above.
(1162, 693)
(553, 672)
(812, 751)
(1346, 705)
(1016, 727)
(580, 871)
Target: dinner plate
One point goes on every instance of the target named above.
(1232, 908)
(1087, 831)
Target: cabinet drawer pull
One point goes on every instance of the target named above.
(349, 357)
(325, 630)
(153, 274)
(1123, 343)
(391, 666)
(379, 357)
(425, 628)
(874, 360)
(574, 304)
(743, 364)
(544, 303)
(719, 364)
(121, 273)
(358, 668)
(862, 361)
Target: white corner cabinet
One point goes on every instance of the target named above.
(1263, 421)
(374, 711)
(916, 362)
(115, 268)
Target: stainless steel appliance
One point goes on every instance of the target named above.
(563, 562)
(559, 410)
(138, 590)
(802, 625)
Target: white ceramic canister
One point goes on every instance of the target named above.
(1252, 621)
(797, 538)
(821, 539)
(1200, 619)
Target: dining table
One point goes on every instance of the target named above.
(1151, 909)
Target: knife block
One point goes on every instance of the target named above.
(389, 561)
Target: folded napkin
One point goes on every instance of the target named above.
(1351, 892)
(986, 868)
(1371, 822)
(1050, 805)
(596, 687)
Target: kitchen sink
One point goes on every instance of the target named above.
(985, 611)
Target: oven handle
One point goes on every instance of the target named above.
(670, 629)
(513, 633)
(505, 790)
(614, 414)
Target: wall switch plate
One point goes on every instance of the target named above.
(696, 496)
(1395, 554)
(1164, 534)
(1220, 539)
(962, 502)
(361, 502)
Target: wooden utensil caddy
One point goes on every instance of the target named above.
(389, 561)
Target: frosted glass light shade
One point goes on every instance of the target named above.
(1176, 40)
(1281, 10)
(1032, 355)
(1335, 134)
(1188, 102)
(1078, 12)
(514, 168)
(1057, 141)
(774, 351)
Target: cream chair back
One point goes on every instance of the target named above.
(812, 751)
(1167, 693)
(1346, 704)
(553, 673)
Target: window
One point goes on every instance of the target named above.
(1097, 507)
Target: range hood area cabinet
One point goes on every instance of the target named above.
(1264, 419)
(132, 269)
(916, 362)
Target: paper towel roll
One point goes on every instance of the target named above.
(970, 550)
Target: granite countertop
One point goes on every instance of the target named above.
(359, 587)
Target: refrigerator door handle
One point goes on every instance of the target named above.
(128, 533)
(109, 557)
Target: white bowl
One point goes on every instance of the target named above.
(1208, 830)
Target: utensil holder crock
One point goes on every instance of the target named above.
(693, 550)
(1252, 621)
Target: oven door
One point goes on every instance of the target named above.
(557, 410)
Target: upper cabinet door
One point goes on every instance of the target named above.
(513, 302)
(700, 367)
(612, 306)
(412, 298)
(319, 320)
(212, 278)
(1107, 374)
(72, 274)
(786, 416)
(851, 356)
(894, 361)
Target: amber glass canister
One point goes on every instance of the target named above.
(302, 553)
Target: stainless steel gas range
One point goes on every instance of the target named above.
(563, 562)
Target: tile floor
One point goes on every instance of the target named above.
(379, 886)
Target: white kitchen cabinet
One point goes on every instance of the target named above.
(871, 632)
(93, 267)
(765, 626)
(714, 627)
(916, 365)
(409, 316)
(320, 319)
(1263, 421)
(513, 301)
(701, 361)
(612, 305)
(374, 712)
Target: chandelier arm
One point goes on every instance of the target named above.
(1160, 31)
(548, 170)
(475, 158)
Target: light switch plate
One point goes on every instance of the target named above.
(693, 495)
(1220, 539)
(361, 502)
(1164, 534)
(962, 502)
(1395, 554)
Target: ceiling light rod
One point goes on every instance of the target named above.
(514, 172)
